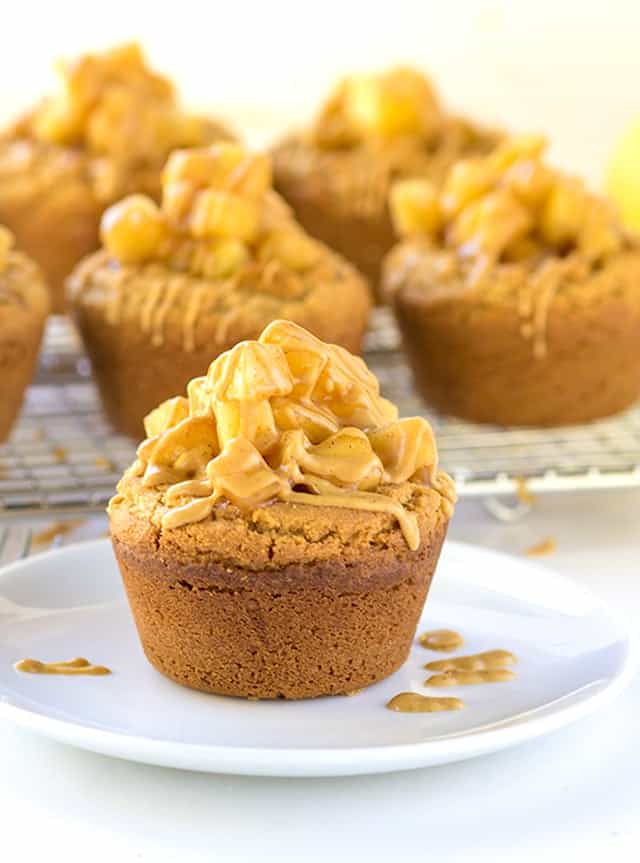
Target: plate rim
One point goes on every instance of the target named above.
(328, 761)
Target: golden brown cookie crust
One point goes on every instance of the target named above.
(279, 602)
(489, 350)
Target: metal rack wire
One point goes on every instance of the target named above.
(63, 457)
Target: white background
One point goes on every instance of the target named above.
(566, 67)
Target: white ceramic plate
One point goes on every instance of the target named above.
(573, 655)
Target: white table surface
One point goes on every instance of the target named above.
(574, 795)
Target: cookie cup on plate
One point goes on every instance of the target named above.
(269, 546)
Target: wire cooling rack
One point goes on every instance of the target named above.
(63, 457)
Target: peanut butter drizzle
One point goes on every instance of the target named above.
(70, 667)
(413, 702)
(487, 661)
(370, 502)
(446, 487)
(190, 488)
(362, 191)
(226, 321)
(525, 310)
(464, 678)
(539, 549)
(160, 315)
(58, 528)
(114, 305)
(7, 242)
(441, 639)
(534, 302)
(188, 513)
(287, 418)
(523, 493)
(151, 303)
(545, 287)
(192, 311)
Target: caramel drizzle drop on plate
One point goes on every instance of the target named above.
(490, 659)
(464, 678)
(546, 546)
(441, 639)
(413, 702)
(80, 665)
(53, 531)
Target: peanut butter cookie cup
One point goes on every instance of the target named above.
(24, 304)
(373, 129)
(517, 292)
(178, 284)
(279, 530)
(107, 134)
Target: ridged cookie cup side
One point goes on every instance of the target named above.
(104, 132)
(47, 201)
(287, 601)
(473, 357)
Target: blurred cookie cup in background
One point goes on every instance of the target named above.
(177, 284)
(24, 305)
(517, 292)
(372, 130)
(107, 133)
